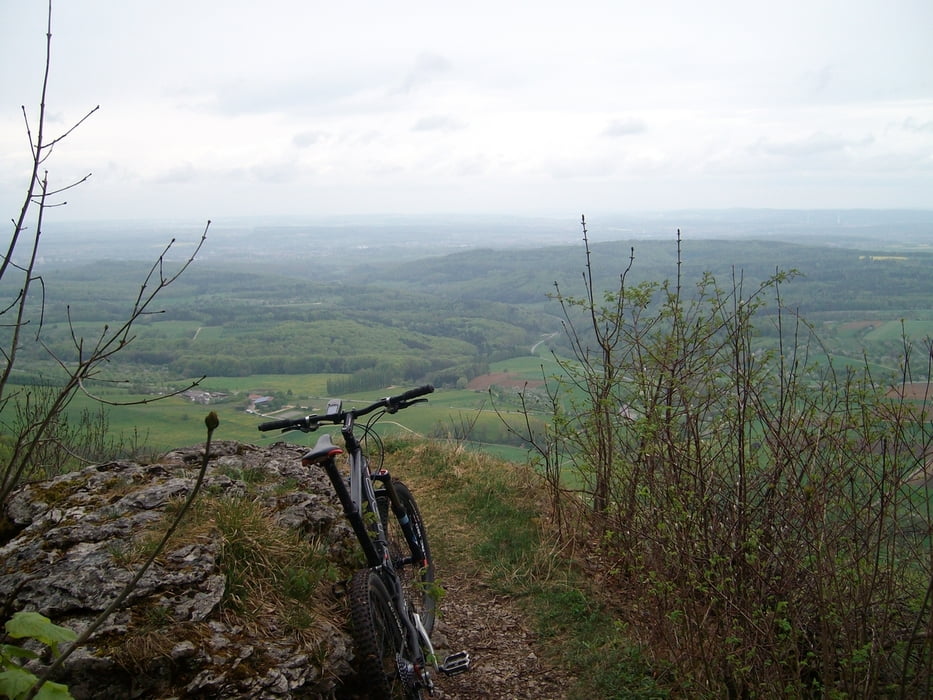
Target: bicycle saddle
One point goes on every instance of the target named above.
(323, 449)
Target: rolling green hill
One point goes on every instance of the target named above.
(445, 319)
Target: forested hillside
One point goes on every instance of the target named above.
(446, 317)
(832, 278)
(464, 321)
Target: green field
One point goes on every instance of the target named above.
(451, 320)
(176, 421)
(894, 330)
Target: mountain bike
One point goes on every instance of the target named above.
(393, 600)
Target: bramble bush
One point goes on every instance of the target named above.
(764, 519)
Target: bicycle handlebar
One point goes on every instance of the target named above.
(309, 423)
(408, 396)
(284, 424)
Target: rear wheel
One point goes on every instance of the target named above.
(380, 644)
(417, 577)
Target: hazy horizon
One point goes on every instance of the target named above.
(358, 240)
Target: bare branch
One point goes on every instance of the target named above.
(140, 402)
(74, 184)
(42, 414)
(74, 126)
(211, 422)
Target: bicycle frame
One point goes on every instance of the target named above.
(357, 496)
(360, 502)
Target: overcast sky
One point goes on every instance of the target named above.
(215, 109)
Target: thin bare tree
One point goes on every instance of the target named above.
(32, 416)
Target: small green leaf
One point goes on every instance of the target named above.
(8, 651)
(39, 627)
(15, 682)
(53, 691)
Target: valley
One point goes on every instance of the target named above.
(299, 314)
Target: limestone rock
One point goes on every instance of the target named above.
(68, 557)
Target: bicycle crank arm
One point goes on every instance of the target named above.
(425, 637)
(455, 663)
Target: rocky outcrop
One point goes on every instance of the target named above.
(72, 543)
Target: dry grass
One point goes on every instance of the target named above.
(277, 583)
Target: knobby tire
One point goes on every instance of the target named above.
(377, 636)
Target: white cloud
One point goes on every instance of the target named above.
(917, 126)
(437, 122)
(624, 127)
(428, 67)
(309, 137)
(178, 174)
(502, 106)
(810, 145)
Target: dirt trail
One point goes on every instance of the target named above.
(508, 661)
(503, 648)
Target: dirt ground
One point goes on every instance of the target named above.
(508, 659)
(917, 391)
(503, 648)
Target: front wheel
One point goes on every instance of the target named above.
(417, 577)
(383, 656)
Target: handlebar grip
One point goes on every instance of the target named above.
(412, 394)
(278, 424)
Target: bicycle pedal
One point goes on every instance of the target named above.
(455, 663)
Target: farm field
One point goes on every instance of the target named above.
(478, 324)
(178, 421)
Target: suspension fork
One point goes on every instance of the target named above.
(418, 639)
(413, 630)
(403, 517)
